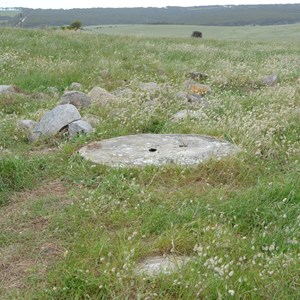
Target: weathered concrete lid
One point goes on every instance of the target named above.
(156, 149)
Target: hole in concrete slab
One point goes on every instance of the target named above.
(138, 150)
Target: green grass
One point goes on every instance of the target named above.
(275, 33)
(70, 229)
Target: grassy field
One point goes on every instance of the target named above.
(276, 33)
(70, 229)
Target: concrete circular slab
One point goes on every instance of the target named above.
(156, 149)
(156, 265)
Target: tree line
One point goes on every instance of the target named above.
(237, 15)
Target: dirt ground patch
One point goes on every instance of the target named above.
(27, 245)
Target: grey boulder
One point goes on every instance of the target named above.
(76, 98)
(78, 127)
(55, 120)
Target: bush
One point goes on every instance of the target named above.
(197, 34)
(75, 25)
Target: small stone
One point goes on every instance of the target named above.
(7, 89)
(53, 91)
(188, 83)
(76, 86)
(270, 80)
(76, 98)
(104, 74)
(78, 127)
(123, 92)
(197, 75)
(200, 89)
(100, 96)
(185, 114)
(195, 99)
(93, 120)
(41, 96)
(182, 95)
(27, 124)
(156, 265)
(150, 86)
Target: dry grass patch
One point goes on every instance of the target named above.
(29, 245)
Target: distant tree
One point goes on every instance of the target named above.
(75, 25)
(197, 34)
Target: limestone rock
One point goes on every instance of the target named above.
(157, 149)
(78, 127)
(100, 96)
(270, 80)
(55, 120)
(156, 265)
(7, 89)
(76, 98)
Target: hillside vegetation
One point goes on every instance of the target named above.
(70, 229)
(276, 33)
(235, 15)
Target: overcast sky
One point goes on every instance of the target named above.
(128, 3)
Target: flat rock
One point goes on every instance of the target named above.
(156, 149)
(7, 89)
(76, 98)
(156, 265)
(100, 96)
(55, 120)
(79, 127)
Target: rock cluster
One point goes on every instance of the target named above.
(64, 116)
